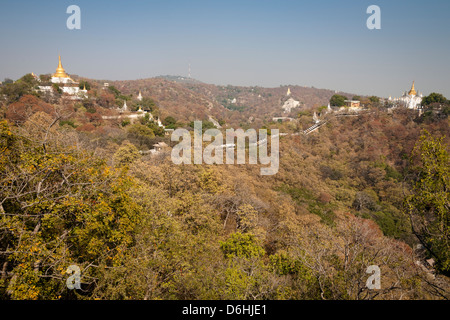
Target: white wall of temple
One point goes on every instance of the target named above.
(70, 90)
(46, 88)
(62, 80)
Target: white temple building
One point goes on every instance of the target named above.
(411, 99)
(290, 104)
(66, 83)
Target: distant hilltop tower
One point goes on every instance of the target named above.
(288, 92)
(139, 96)
(189, 71)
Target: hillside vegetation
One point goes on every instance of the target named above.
(360, 191)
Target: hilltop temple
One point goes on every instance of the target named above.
(66, 83)
(412, 99)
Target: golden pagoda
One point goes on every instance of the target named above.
(412, 92)
(60, 72)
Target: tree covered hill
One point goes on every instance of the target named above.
(187, 100)
(173, 99)
(237, 105)
(360, 191)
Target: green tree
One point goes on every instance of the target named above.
(321, 108)
(374, 99)
(14, 91)
(241, 245)
(429, 204)
(115, 91)
(45, 78)
(434, 98)
(28, 79)
(84, 83)
(57, 88)
(59, 207)
(148, 104)
(126, 154)
(170, 121)
(338, 100)
(152, 124)
(205, 125)
(141, 135)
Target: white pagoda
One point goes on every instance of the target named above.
(412, 99)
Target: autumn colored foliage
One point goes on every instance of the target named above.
(76, 189)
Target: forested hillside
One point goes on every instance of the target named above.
(75, 189)
(234, 105)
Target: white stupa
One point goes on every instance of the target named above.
(316, 118)
(124, 107)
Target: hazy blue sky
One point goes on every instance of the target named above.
(319, 43)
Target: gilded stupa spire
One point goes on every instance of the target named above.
(412, 92)
(60, 72)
